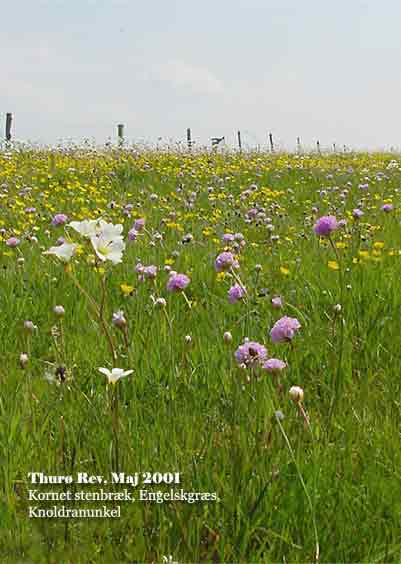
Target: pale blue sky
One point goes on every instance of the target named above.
(318, 69)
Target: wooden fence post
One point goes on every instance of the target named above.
(271, 143)
(120, 133)
(9, 119)
(318, 146)
(298, 145)
(239, 141)
(189, 140)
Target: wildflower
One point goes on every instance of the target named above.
(225, 261)
(277, 302)
(357, 213)
(29, 326)
(279, 415)
(188, 339)
(139, 224)
(337, 308)
(87, 228)
(126, 288)
(296, 394)
(274, 365)
(284, 329)
(250, 354)
(119, 320)
(115, 374)
(23, 360)
(387, 208)
(188, 238)
(13, 242)
(63, 252)
(227, 337)
(228, 238)
(150, 272)
(325, 225)
(56, 375)
(108, 246)
(177, 282)
(236, 293)
(59, 219)
(59, 311)
(132, 234)
(160, 302)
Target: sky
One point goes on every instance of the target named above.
(315, 69)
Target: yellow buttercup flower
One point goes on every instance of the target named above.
(126, 288)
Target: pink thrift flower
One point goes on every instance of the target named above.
(284, 329)
(325, 225)
(13, 242)
(236, 293)
(250, 354)
(274, 365)
(277, 302)
(139, 224)
(59, 219)
(225, 261)
(177, 282)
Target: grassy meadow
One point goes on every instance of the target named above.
(301, 476)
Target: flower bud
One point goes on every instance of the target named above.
(296, 394)
(29, 326)
(59, 311)
(227, 337)
(23, 360)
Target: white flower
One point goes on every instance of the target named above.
(114, 375)
(91, 227)
(63, 252)
(108, 249)
(87, 228)
(109, 230)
